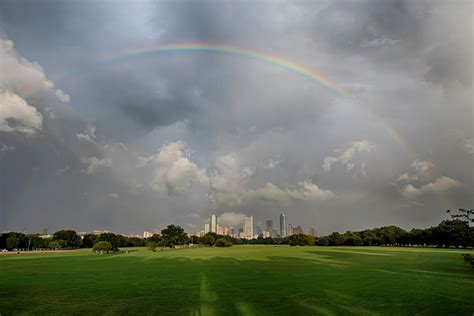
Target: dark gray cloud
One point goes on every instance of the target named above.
(149, 140)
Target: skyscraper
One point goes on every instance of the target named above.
(283, 225)
(213, 224)
(206, 228)
(248, 227)
(290, 230)
(269, 225)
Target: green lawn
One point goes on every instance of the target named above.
(241, 280)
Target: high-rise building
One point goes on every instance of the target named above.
(206, 228)
(283, 225)
(147, 234)
(290, 230)
(248, 227)
(269, 225)
(213, 224)
(220, 230)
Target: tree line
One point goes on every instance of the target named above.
(449, 233)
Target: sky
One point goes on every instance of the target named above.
(100, 131)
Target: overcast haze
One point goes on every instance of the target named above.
(147, 141)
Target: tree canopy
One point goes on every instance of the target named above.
(173, 235)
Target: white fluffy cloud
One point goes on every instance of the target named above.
(20, 77)
(423, 166)
(347, 155)
(62, 96)
(407, 177)
(17, 116)
(305, 191)
(93, 164)
(231, 219)
(441, 184)
(174, 171)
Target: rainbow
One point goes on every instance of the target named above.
(269, 58)
(265, 57)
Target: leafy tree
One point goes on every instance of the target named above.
(222, 242)
(462, 214)
(102, 246)
(114, 239)
(56, 244)
(70, 237)
(452, 233)
(88, 240)
(209, 239)
(173, 235)
(301, 240)
(12, 243)
(37, 242)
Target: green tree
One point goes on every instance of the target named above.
(55, 244)
(222, 242)
(72, 239)
(301, 240)
(12, 243)
(114, 239)
(37, 242)
(173, 235)
(102, 246)
(88, 240)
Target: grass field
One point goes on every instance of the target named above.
(241, 280)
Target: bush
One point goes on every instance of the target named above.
(102, 246)
(151, 245)
(468, 258)
(221, 242)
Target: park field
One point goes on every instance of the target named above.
(240, 280)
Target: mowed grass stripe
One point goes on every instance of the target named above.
(241, 280)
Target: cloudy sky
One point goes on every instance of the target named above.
(90, 139)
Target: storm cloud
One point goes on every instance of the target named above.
(89, 141)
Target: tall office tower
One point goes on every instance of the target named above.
(220, 230)
(290, 230)
(248, 227)
(213, 224)
(269, 225)
(283, 225)
(206, 228)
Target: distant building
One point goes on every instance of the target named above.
(283, 232)
(213, 223)
(248, 227)
(312, 232)
(258, 229)
(206, 228)
(269, 225)
(220, 230)
(298, 230)
(147, 234)
(226, 230)
(267, 234)
(290, 230)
